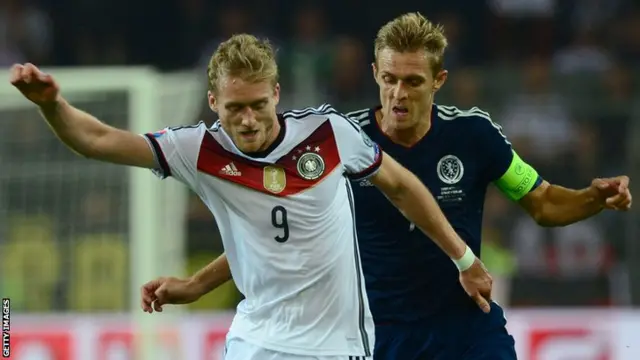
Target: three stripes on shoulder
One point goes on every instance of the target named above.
(452, 113)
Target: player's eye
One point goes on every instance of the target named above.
(389, 79)
(259, 106)
(234, 108)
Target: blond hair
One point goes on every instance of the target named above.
(243, 56)
(413, 32)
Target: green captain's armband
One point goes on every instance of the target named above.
(518, 180)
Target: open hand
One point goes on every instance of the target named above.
(614, 192)
(477, 283)
(167, 290)
(35, 85)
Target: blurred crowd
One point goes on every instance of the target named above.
(558, 75)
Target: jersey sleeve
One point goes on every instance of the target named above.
(360, 156)
(496, 148)
(176, 151)
(502, 165)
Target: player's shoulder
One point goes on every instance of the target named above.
(477, 124)
(318, 115)
(186, 128)
(363, 117)
(192, 130)
(473, 118)
(322, 111)
(454, 113)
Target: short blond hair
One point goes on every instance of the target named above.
(243, 56)
(413, 32)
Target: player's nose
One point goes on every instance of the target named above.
(399, 92)
(248, 122)
(248, 118)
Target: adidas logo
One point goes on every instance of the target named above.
(230, 170)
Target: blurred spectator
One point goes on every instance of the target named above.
(232, 19)
(305, 62)
(352, 80)
(626, 38)
(537, 119)
(453, 30)
(522, 27)
(583, 54)
(25, 33)
(464, 87)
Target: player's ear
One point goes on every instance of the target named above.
(213, 104)
(440, 79)
(374, 68)
(276, 94)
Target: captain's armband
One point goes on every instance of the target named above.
(519, 179)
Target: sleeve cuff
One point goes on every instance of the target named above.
(371, 170)
(162, 170)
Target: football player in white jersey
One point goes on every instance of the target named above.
(277, 187)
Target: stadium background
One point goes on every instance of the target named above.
(561, 77)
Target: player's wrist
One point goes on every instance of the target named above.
(197, 286)
(52, 106)
(594, 198)
(464, 263)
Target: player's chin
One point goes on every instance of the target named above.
(248, 147)
(403, 121)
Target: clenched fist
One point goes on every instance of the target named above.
(614, 192)
(35, 85)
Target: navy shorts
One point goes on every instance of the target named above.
(467, 335)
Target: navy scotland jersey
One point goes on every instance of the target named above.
(408, 277)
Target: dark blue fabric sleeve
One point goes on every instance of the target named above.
(496, 149)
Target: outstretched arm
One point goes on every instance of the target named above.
(554, 205)
(548, 204)
(80, 131)
(89, 137)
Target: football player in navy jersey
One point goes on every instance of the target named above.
(420, 310)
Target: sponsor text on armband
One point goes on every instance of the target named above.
(518, 180)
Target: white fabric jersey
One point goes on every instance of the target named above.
(287, 225)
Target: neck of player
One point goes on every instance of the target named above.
(407, 136)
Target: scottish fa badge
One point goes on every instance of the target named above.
(450, 169)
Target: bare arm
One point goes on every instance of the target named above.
(80, 131)
(554, 205)
(90, 137)
(211, 276)
(411, 197)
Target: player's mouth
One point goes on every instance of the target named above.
(400, 111)
(249, 134)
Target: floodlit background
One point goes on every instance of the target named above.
(77, 237)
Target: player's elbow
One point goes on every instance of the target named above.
(100, 144)
(540, 206)
(547, 215)
(541, 218)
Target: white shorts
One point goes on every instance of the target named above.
(237, 349)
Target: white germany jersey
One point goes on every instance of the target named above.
(287, 224)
